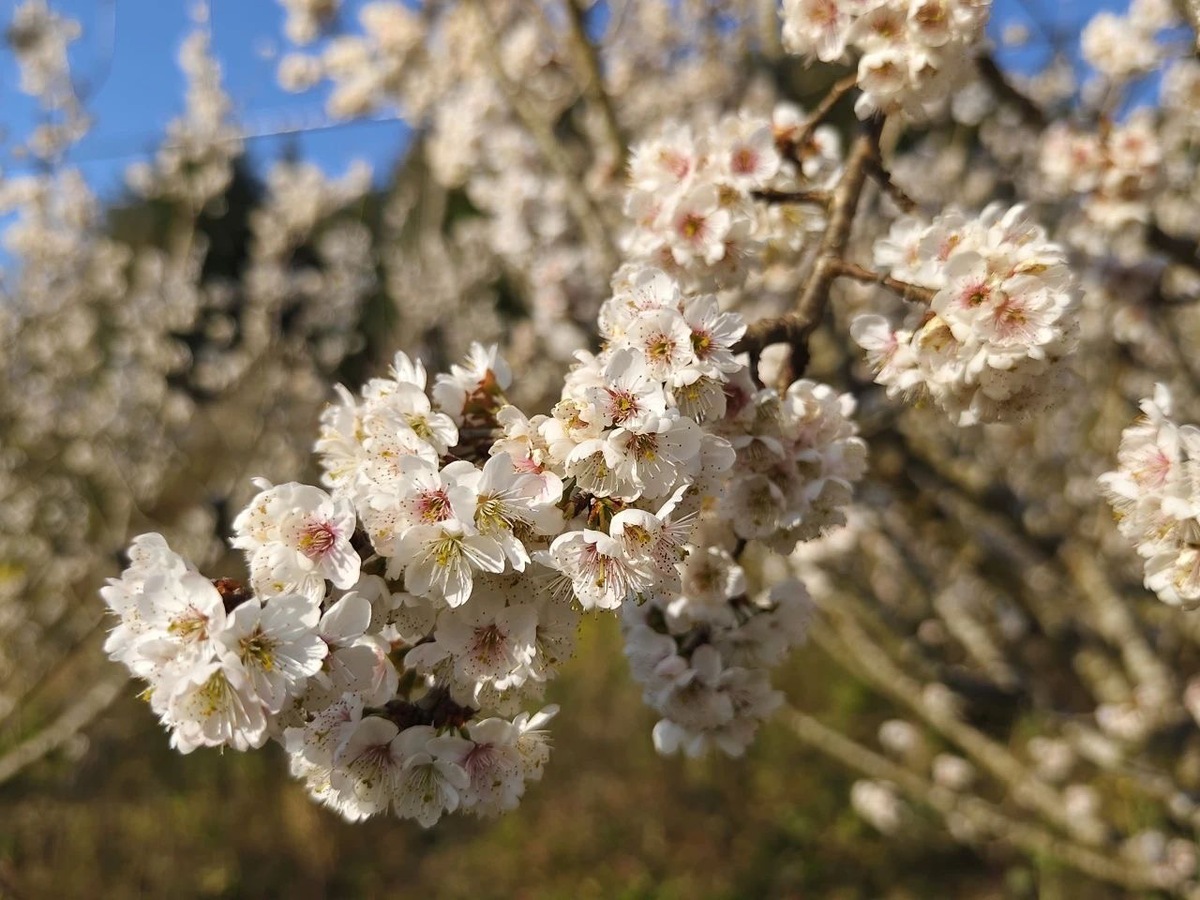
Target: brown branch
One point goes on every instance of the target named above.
(821, 112)
(914, 293)
(869, 661)
(1181, 251)
(1008, 93)
(588, 61)
(1190, 10)
(813, 197)
(1115, 620)
(795, 328)
(71, 722)
(881, 174)
(842, 208)
(986, 818)
(788, 329)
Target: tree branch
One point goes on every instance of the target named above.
(876, 667)
(796, 327)
(986, 818)
(1008, 93)
(814, 197)
(588, 61)
(914, 293)
(881, 174)
(821, 112)
(1181, 251)
(66, 726)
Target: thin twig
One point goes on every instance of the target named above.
(842, 208)
(588, 61)
(1116, 622)
(66, 726)
(914, 293)
(821, 112)
(986, 818)
(795, 328)
(788, 329)
(881, 174)
(878, 668)
(80, 646)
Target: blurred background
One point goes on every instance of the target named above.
(193, 255)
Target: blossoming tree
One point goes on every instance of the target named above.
(839, 366)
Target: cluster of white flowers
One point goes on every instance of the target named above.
(911, 54)
(364, 68)
(488, 533)
(40, 38)
(195, 162)
(1002, 314)
(798, 457)
(226, 668)
(1116, 170)
(1155, 496)
(1120, 47)
(364, 764)
(703, 648)
(229, 668)
(691, 194)
(215, 673)
(703, 657)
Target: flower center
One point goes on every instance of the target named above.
(434, 506)
(258, 650)
(623, 405)
(691, 226)
(744, 162)
(318, 539)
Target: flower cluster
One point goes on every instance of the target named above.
(215, 674)
(1116, 170)
(691, 194)
(443, 574)
(1155, 496)
(702, 650)
(703, 657)
(40, 39)
(1120, 47)
(911, 54)
(362, 762)
(229, 668)
(1000, 318)
(798, 457)
(362, 68)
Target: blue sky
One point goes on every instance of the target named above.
(125, 62)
